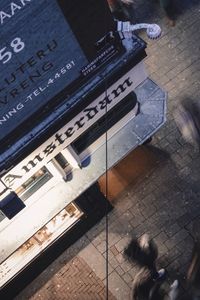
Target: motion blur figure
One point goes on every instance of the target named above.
(187, 118)
(145, 252)
(147, 284)
(121, 9)
(168, 7)
(145, 287)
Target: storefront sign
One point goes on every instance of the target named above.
(39, 56)
(75, 127)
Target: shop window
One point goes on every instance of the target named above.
(59, 224)
(35, 182)
(105, 123)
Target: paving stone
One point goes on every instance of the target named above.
(149, 211)
(127, 278)
(137, 220)
(114, 262)
(178, 237)
(184, 220)
(126, 266)
(120, 258)
(186, 245)
(171, 229)
(119, 270)
(96, 241)
(119, 288)
(114, 237)
(102, 247)
(95, 260)
(108, 254)
(114, 250)
(161, 237)
(121, 245)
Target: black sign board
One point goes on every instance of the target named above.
(41, 53)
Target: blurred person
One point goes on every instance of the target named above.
(147, 284)
(168, 7)
(145, 252)
(121, 9)
(187, 118)
(146, 288)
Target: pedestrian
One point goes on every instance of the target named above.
(187, 118)
(145, 287)
(145, 252)
(168, 7)
(121, 9)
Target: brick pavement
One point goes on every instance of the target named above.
(75, 280)
(164, 199)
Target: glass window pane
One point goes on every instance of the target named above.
(33, 183)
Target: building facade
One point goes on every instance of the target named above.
(75, 99)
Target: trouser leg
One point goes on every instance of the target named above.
(167, 5)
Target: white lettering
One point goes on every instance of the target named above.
(36, 93)
(23, 2)
(3, 120)
(20, 106)
(12, 112)
(3, 15)
(42, 89)
(14, 7)
(29, 97)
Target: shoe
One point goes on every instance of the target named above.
(173, 293)
(161, 274)
(171, 22)
(174, 285)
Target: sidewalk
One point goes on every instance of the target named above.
(162, 197)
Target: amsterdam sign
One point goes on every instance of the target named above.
(80, 123)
